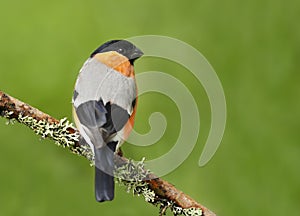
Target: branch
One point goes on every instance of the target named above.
(155, 190)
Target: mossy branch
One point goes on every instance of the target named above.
(139, 180)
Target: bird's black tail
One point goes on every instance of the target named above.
(104, 186)
(104, 167)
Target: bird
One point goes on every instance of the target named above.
(104, 107)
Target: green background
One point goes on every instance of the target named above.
(254, 46)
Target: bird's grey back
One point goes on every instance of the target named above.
(96, 80)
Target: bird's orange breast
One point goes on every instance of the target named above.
(130, 123)
(116, 61)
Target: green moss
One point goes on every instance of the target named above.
(59, 133)
(132, 174)
(192, 212)
(7, 114)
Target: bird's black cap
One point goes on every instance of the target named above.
(123, 47)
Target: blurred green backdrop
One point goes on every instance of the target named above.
(254, 47)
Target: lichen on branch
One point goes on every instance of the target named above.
(132, 175)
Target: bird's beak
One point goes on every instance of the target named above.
(137, 53)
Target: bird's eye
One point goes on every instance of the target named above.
(120, 50)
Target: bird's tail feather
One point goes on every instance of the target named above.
(104, 167)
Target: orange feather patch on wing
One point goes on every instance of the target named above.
(116, 61)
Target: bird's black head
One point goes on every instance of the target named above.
(123, 47)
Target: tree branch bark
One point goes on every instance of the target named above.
(63, 133)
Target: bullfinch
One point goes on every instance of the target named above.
(104, 106)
